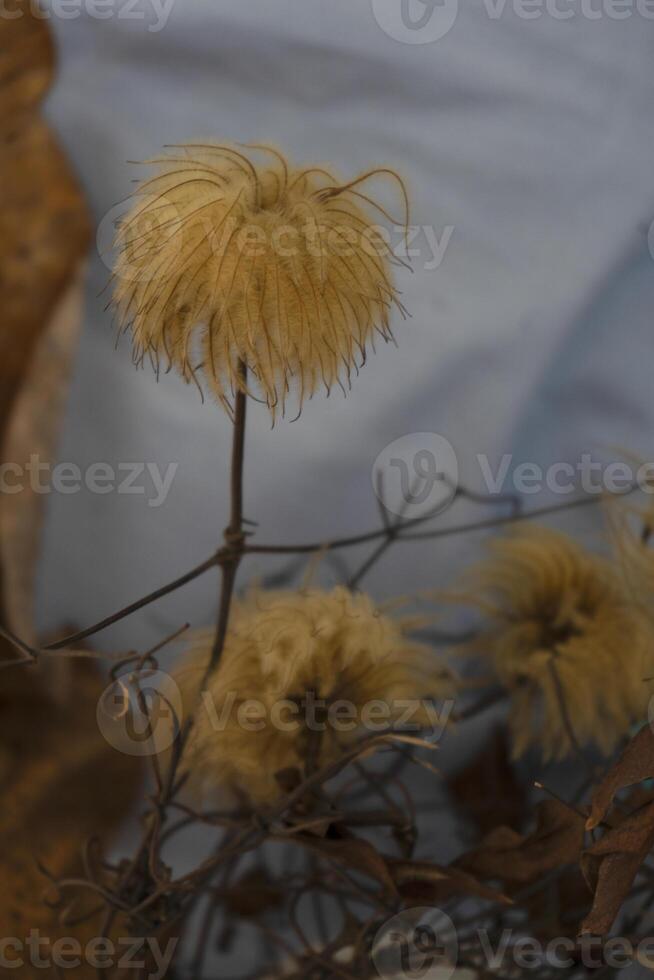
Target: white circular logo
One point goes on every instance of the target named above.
(419, 942)
(416, 475)
(416, 21)
(141, 714)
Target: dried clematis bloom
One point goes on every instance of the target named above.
(302, 675)
(571, 648)
(631, 529)
(224, 259)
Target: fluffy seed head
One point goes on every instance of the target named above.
(286, 651)
(560, 629)
(233, 256)
(632, 533)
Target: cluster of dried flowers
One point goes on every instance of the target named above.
(271, 280)
(568, 644)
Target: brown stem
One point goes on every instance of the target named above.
(234, 536)
(443, 532)
(565, 715)
(223, 556)
(135, 606)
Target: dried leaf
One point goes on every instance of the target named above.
(355, 853)
(611, 865)
(425, 882)
(504, 854)
(289, 779)
(487, 791)
(43, 236)
(253, 894)
(413, 880)
(44, 233)
(26, 62)
(558, 907)
(61, 783)
(634, 765)
(60, 780)
(33, 429)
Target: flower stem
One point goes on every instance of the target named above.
(234, 536)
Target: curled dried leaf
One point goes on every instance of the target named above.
(426, 882)
(611, 865)
(634, 765)
(508, 856)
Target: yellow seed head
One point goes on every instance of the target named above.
(231, 256)
(286, 651)
(561, 630)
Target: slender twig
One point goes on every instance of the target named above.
(394, 528)
(139, 604)
(234, 535)
(29, 654)
(444, 532)
(565, 715)
(225, 556)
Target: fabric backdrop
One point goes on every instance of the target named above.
(527, 146)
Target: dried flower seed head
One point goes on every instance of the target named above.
(631, 528)
(565, 640)
(302, 674)
(232, 255)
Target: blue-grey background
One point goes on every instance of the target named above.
(532, 140)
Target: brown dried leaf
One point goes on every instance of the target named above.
(558, 907)
(61, 783)
(253, 894)
(33, 428)
(421, 881)
(43, 236)
(634, 765)
(289, 779)
(504, 854)
(44, 232)
(486, 791)
(60, 780)
(611, 865)
(26, 62)
(355, 853)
